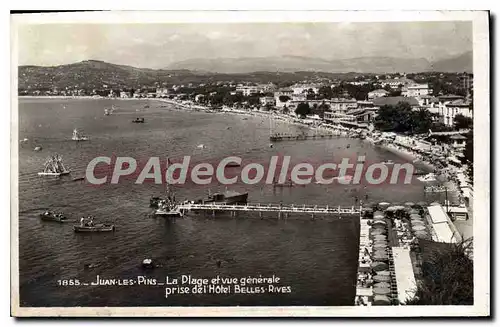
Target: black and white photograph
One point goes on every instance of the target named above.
(337, 162)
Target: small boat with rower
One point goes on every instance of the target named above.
(87, 225)
(97, 228)
(54, 216)
(138, 120)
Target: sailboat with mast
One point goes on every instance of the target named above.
(167, 207)
(54, 167)
(79, 136)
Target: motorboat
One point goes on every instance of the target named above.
(148, 263)
(97, 228)
(53, 216)
(138, 120)
(167, 211)
(54, 167)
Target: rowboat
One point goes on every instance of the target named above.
(52, 216)
(98, 228)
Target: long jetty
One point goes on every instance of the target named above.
(277, 208)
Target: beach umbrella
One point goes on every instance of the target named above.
(381, 290)
(382, 284)
(383, 272)
(381, 254)
(381, 258)
(413, 211)
(379, 232)
(409, 204)
(380, 246)
(378, 219)
(378, 214)
(381, 237)
(418, 228)
(380, 223)
(399, 208)
(384, 204)
(422, 234)
(417, 223)
(380, 278)
(378, 266)
(379, 299)
(391, 208)
(422, 203)
(434, 204)
(415, 215)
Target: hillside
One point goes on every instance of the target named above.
(92, 74)
(458, 64)
(295, 63)
(89, 74)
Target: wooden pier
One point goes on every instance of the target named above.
(280, 209)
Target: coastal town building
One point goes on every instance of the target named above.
(449, 106)
(305, 88)
(341, 105)
(337, 117)
(249, 90)
(377, 94)
(396, 83)
(393, 101)
(267, 101)
(161, 92)
(282, 94)
(124, 94)
(415, 90)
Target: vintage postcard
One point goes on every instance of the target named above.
(242, 163)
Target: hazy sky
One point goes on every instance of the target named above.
(156, 46)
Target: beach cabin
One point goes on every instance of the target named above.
(443, 229)
(458, 141)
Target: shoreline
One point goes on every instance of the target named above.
(312, 126)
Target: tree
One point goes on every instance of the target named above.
(284, 98)
(447, 274)
(402, 119)
(303, 109)
(462, 122)
(320, 110)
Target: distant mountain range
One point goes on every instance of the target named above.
(295, 63)
(94, 74)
